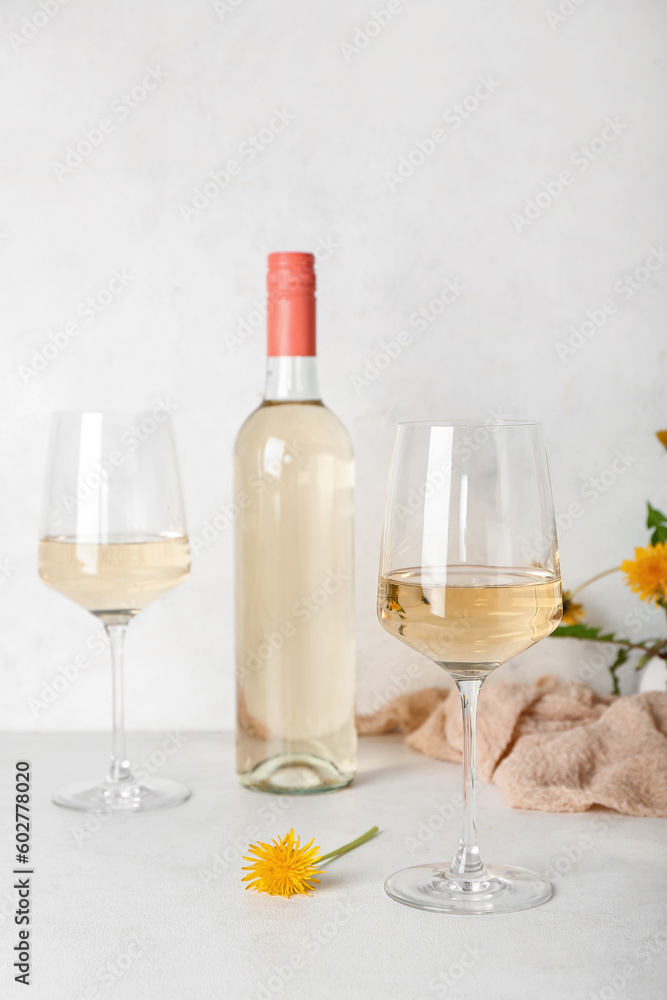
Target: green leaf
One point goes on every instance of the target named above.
(643, 660)
(654, 517)
(582, 631)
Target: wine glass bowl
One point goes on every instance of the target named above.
(117, 578)
(475, 616)
(113, 540)
(469, 577)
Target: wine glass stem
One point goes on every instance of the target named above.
(468, 864)
(119, 767)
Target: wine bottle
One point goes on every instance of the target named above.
(293, 483)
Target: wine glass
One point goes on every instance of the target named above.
(469, 576)
(113, 539)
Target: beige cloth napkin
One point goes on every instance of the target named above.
(549, 746)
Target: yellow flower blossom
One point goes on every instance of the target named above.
(572, 612)
(283, 867)
(647, 574)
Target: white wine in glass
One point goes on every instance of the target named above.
(113, 540)
(482, 615)
(119, 577)
(469, 576)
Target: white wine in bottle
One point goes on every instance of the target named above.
(293, 483)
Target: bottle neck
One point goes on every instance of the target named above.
(291, 379)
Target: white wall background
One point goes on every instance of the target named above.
(323, 180)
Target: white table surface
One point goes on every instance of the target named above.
(127, 913)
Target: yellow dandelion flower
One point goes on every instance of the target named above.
(662, 437)
(572, 612)
(395, 606)
(283, 867)
(647, 574)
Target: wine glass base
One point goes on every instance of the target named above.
(504, 890)
(91, 796)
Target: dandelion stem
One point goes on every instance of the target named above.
(353, 843)
(598, 576)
